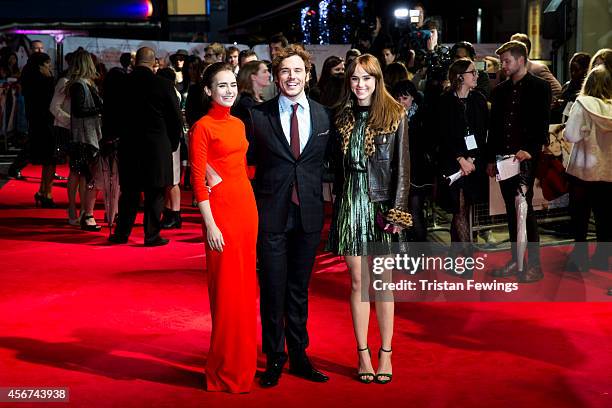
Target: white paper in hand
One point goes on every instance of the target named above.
(507, 168)
(454, 177)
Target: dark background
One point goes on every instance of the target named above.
(500, 18)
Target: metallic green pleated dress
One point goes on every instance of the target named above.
(354, 224)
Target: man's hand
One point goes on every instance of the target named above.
(491, 169)
(522, 155)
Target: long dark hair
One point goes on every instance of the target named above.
(395, 72)
(330, 62)
(207, 81)
(332, 91)
(37, 59)
(11, 69)
(31, 71)
(245, 84)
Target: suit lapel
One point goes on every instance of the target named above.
(314, 129)
(277, 127)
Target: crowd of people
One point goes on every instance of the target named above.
(255, 140)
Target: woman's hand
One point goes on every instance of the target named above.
(467, 166)
(393, 229)
(214, 238)
(396, 230)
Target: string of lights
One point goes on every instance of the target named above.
(323, 23)
(306, 23)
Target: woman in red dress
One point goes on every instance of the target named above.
(225, 198)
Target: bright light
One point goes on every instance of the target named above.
(401, 13)
(149, 9)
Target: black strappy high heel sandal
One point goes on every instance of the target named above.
(88, 227)
(44, 202)
(379, 377)
(365, 378)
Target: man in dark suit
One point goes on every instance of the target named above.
(152, 128)
(288, 141)
(520, 114)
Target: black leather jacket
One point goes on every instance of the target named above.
(388, 168)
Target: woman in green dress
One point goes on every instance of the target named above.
(372, 166)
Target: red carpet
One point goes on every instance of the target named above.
(128, 326)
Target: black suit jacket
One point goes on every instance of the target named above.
(151, 132)
(277, 170)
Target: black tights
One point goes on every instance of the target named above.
(416, 198)
(460, 227)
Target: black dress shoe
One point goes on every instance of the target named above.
(117, 239)
(159, 241)
(510, 269)
(303, 368)
(532, 274)
(171, 219)
(274, 369)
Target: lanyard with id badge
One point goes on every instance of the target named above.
(470, 139)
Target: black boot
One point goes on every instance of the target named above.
(171, 219)
(166, 217)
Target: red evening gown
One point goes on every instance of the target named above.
(218, 140)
